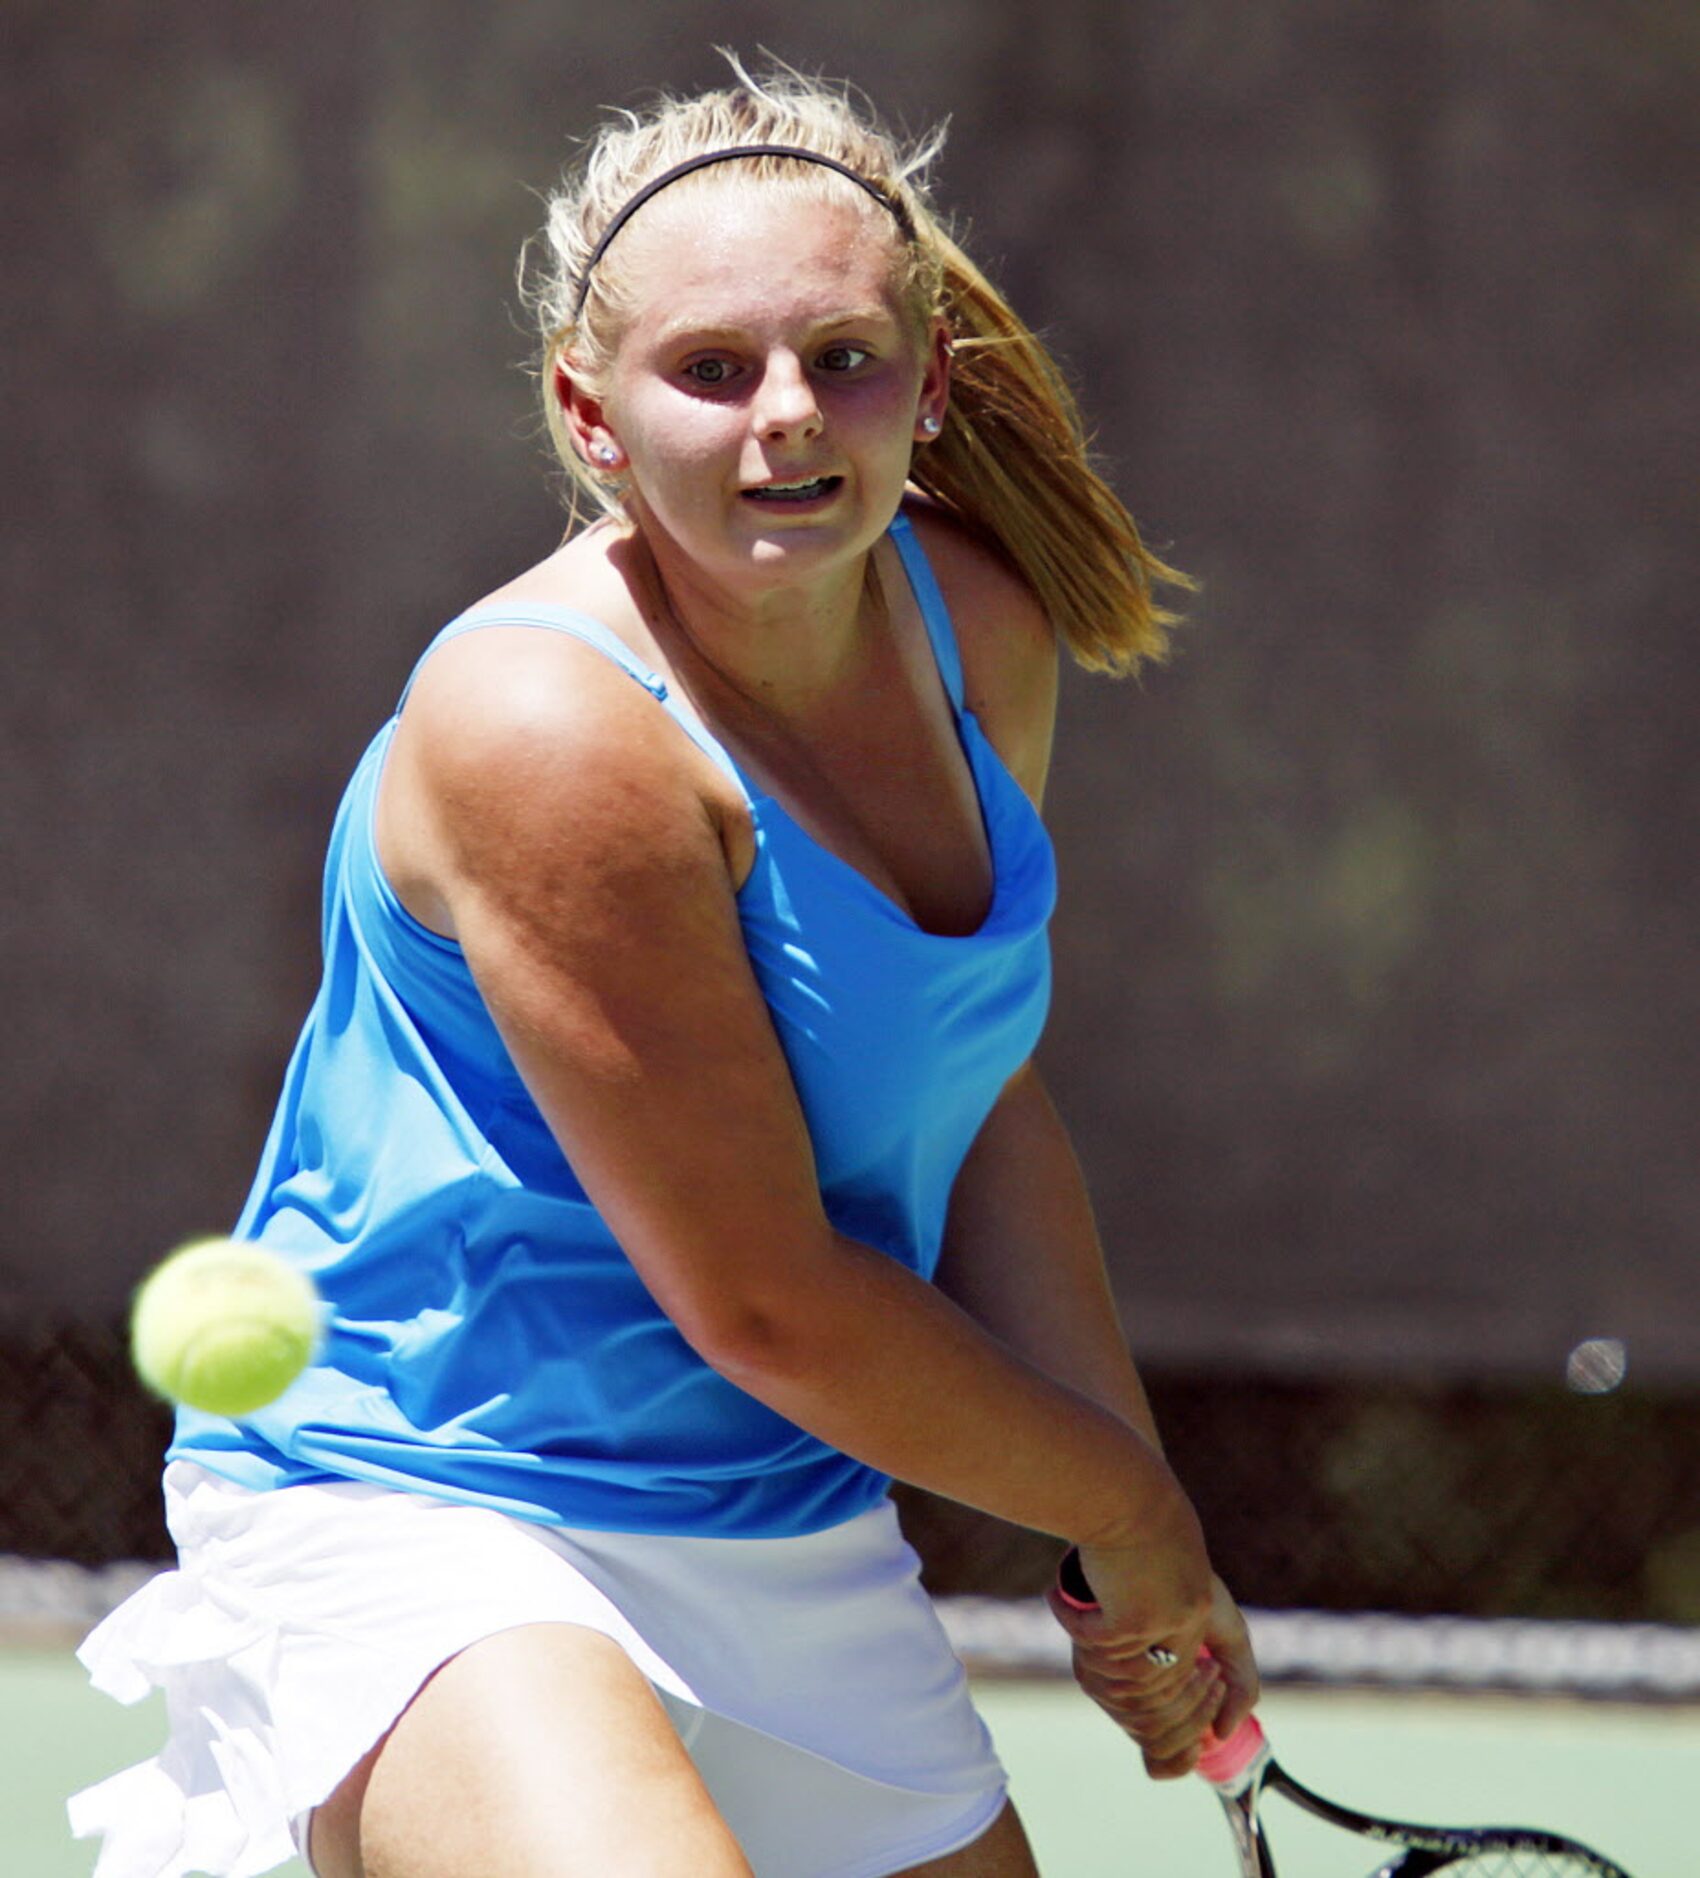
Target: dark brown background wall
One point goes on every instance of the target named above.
(1377, 963)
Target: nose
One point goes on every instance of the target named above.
(786, 406)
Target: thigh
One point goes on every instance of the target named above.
(1001, 1851)
(539, 1752)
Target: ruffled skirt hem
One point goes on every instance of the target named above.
(272, 1691)
(301, 1622)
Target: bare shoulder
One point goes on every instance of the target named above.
(505, 704)
(525, 754)
(1008, 647)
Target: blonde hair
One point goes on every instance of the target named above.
(1012, 461)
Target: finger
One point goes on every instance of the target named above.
(1172, 1751)
(1147, 1652)
(1163, 1723)
(1232, 1649)
(1238, 1701)
(1140, 1653)
(1171, 1729)
(1155, 1688)
(1137, 1681)
(1172, 1768)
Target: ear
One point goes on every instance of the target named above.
(933, 398)
(586, 421)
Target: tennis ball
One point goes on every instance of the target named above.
(223, 1326)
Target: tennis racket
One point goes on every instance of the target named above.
(1243, 1770)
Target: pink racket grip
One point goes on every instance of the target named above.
(1072, 1587)
(1225, 1763)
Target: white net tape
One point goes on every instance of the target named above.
(1631, 1661)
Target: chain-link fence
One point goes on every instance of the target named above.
(1385, 1495)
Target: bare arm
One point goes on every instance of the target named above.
(1022, 1256)
(579, 847)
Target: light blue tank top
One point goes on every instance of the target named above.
(487, 1339)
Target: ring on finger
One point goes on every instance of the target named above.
(1162, 1656)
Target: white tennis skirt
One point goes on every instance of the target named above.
(809, 1678)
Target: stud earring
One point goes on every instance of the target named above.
(606, 455)
(932, 425)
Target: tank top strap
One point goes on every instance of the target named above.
(923, 583)
(591, 632)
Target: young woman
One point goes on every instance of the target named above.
(665, 1138)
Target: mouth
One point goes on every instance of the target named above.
(794, 494)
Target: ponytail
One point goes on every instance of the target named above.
(1012, 463)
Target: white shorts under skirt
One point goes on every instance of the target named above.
(809, 1678)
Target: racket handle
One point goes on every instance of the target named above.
(1072, 1587)
(1223, 1763)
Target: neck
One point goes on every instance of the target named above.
(784, 648)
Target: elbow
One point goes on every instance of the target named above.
(755, 1346)
(767, 1324)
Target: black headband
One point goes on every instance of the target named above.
(890, 203)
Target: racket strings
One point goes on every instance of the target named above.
(1449, 1851)
(1517, 1862)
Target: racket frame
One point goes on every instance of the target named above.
(1243, 1768)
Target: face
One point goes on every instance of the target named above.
(770, 385)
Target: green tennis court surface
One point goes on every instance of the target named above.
(1620, 1777)
(1617, 1777)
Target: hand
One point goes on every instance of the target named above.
(1168, 1711)
(1229, 1643)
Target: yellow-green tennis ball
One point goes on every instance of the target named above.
(224, 1326)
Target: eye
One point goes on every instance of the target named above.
(843, 358)
(710, 374)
